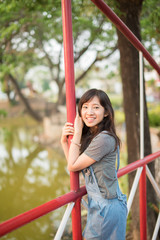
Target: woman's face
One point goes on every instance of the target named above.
(92, 112)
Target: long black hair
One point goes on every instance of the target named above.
(106, 124)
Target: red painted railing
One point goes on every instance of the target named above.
(31, 215)
(126, 32)
(71, 104)
(139, 163)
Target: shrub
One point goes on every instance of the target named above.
(3, 113)
(154, 116)
(119, 117)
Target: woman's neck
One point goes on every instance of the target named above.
(93, 130)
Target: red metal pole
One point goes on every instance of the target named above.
(139, 163)
(143, 205)
(26, 217)
(71, 104)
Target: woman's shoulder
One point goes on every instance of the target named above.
(105, 136)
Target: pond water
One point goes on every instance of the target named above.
(30, 175)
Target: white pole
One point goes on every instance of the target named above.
(64, 221)
(141, 105)
(155, 234)
(134, 187)
(153, 182)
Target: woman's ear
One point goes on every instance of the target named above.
(106, 114)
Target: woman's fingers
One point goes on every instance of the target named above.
(68, 129)
(68, 124)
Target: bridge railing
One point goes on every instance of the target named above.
(71, 197)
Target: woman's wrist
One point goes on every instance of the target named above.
(75, 143)
(77, 137)
(77, 134)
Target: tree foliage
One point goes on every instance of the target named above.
(150, 22)
(31, 35)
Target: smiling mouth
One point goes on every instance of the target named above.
(90, 119)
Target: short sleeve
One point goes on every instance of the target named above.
(100, 146)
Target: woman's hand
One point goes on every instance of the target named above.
(68, 130)
(78, 124)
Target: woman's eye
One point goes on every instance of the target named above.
(96, 107)
(84, 107)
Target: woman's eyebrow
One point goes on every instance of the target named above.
(85, 104)
(97, 104)
(94, 104)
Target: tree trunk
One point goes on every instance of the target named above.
(61, 96)
(7, 88)
(24, 100)
(129, 62)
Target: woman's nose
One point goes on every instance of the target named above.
(90, 111)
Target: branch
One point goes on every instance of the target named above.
(50, 63)
(59, 62)
(96, 60)
(83, 51)
(24, 100)
(99, 30)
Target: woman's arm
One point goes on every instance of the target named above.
(67, 130)
(76, 161)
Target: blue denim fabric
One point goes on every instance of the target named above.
(106, 219)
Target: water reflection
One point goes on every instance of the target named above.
(30, 175)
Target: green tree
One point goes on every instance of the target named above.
(32, 35)
(150, 24)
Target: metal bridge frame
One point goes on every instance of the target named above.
(73, 198)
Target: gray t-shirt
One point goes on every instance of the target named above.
(102, 150)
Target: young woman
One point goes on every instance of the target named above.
(94, 149)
